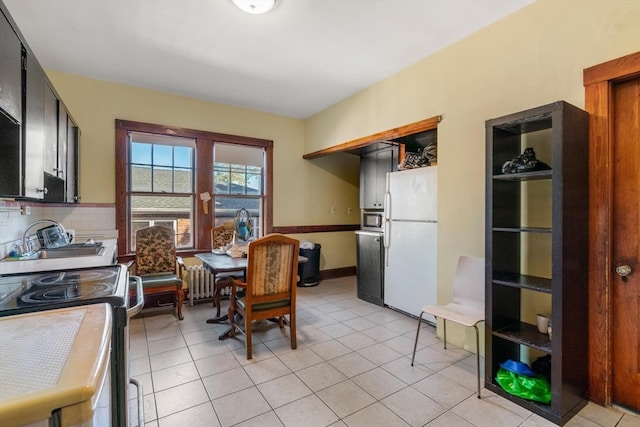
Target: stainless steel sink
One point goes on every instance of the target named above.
(69, 251)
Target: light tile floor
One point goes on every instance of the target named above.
(352, 368)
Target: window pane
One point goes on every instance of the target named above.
(237, 179)
(221, 180)
(140, 153)
(162, 155)
(171, 211)
(254, 183)
(182, 157)
(140, 178)
(162, 180)
(182, 181)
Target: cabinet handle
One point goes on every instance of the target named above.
(42, 190)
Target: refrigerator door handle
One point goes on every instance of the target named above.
(387, 235)
(387, 206)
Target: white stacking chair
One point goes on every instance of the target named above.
(467, 307)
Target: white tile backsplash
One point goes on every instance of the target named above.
(87, 221)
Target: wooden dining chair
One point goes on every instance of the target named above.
(158, 266)
(221, 236)
(269, 288)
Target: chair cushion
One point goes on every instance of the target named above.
(160, 280)
(264, 305)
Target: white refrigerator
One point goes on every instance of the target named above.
(411, 240)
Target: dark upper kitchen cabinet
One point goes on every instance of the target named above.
(34, 129)
(10, 110)
(68, 153)
(46, 141)
(375, 162)
(38, 137)
(536, 252)
(10, 157)
(10, 71)
(50, 132)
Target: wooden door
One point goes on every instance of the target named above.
(606, 85)
(626, 246)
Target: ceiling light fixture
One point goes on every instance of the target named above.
(255, 7)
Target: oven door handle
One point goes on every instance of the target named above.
(139, 298)
(138, 385)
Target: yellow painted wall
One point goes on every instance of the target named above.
(304, 191)
(531, 58)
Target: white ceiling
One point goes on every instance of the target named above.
(296, 60)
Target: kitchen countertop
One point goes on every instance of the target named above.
(32, 265)
(52, 359)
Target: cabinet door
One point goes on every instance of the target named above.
(71, 172)
(370, 273)
(34, 134)
(368, 181)
(373, 176)
(10, 71)
(62, 141)
(50, 132)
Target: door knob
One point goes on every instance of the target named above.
(623, 271)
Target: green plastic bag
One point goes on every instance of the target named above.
(530, 388)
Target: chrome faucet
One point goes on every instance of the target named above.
(28, 247)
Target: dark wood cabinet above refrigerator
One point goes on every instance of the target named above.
(375, 163)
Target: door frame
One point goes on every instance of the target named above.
(598, 83)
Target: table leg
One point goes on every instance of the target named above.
(217, 288)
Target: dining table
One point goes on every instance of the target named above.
(221, 263)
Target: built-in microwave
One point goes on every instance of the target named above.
(372, 220)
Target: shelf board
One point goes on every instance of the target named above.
(525, 124)
(525, 176)
(541, 409)
(525, 334)
(540, 284)
(523, 229)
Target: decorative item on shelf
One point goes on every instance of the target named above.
(243, 224)
(430, 152)
(543, 322)
(413, 160)
(525, 162)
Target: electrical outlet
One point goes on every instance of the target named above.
(25, 210)
(333, 210)
(349, 211)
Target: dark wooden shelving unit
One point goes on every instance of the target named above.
(558, 217)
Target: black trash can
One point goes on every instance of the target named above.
(309, 271)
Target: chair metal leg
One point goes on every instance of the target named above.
(444, 325)
(415, 345)
(478, 356)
